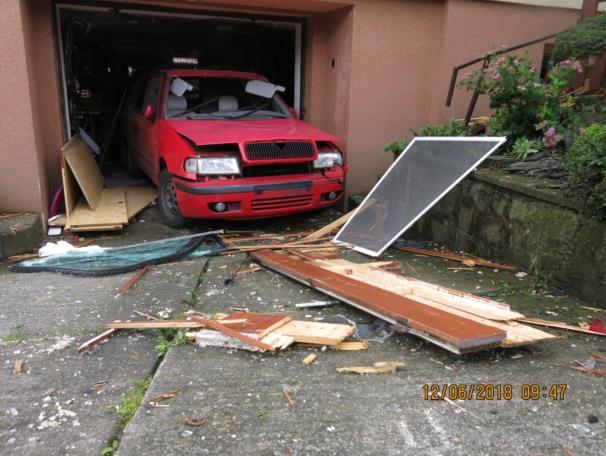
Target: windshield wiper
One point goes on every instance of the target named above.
(252, 111)
(193, 108)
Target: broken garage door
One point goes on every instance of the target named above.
(426, 171)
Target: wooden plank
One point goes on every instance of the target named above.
(153, 324)
(111, 210)
(136, 276)
(230, 332)
(94, 228)
(333, 226)
(314, 332)
(481, 310)
(469, 260)
(85, 170)
(411, 288)
(455, 333)
(559, 325)
(138, 198)
(257, 323)
(352, 346)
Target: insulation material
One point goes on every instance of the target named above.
(426, 171)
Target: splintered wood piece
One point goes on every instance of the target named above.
(164, 397)
(257, 323)
(230, 332)
(559, 325)
(455, 333)
(17, 367)
(468, 260)
(350, 346)
(333, 226)
(383, 367)
(318, 333)
(309, 359)
(136, 276)
(212, 338)
(287, 396)
(153, 324)
(96, 340)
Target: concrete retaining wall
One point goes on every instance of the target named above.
(507, 218)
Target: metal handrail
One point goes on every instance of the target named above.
(485, 59)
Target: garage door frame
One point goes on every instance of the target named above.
(294, 21)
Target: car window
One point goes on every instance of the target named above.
(150, 94)
(203, 101)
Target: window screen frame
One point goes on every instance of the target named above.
(500, 140)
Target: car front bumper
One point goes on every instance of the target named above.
(257, 198)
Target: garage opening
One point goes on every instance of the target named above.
(103, 49)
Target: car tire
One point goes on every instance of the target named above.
(168, 202)
(131, 168)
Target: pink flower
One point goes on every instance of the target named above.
(551, 138)
(577, 66)
(495, 75)
(565, 64)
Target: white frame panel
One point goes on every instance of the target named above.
(500, 140)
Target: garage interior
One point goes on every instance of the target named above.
(103, 49)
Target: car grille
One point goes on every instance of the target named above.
(282, 202)
(277, 150)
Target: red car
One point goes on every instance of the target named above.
(224, 145)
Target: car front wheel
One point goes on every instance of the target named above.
(168, 202)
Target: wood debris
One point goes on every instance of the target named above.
(18, 367)
(383, 367)
(350, 346)
(317, 333)
(593, 371)
(309, 359)
(559, 325)
(164, 397)
(334, 226)
(88, 205)
(467, 260)
(96, 340)
(459, 322)
(136, 276)
(195, 422)
(287, 396)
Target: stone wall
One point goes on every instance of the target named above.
(507, 218)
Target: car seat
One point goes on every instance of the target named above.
(175, 105)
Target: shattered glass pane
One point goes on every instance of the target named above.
(426, 170)
(124, 259)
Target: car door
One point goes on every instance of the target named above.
(145, 146)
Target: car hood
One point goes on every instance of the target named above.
(203, 132)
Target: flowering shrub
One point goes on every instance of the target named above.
(525, 105)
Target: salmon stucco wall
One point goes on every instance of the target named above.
(390, 87)
(23, 182)
(473, 28)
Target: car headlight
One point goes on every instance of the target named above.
(212, 166)
(328, 160)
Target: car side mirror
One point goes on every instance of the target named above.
(149, 113)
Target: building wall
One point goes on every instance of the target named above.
(473, 28)
(392, 65)
(22, 181)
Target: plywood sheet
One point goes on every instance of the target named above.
(455, 333)
(314, 332)
(111, 210)
(85, 170)
(138, 198)
(70, 190)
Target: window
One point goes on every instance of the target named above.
(149, 95)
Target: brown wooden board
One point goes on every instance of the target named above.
(315, 332)
(455, 333)
(257, 323)
(70, 190)
(85, 170)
